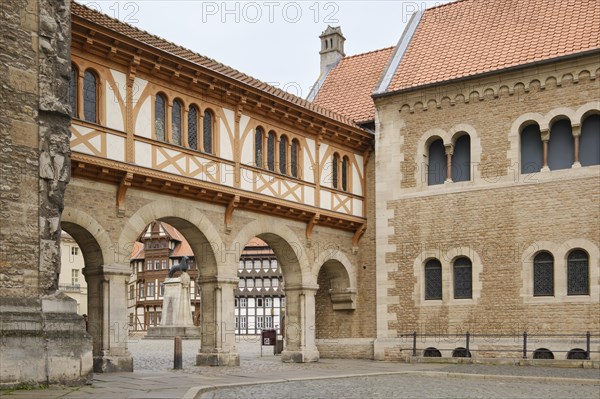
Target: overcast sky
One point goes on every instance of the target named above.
(274, 41)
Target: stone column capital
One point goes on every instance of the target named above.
(449, 149)
(545, 134)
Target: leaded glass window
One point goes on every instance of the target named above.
(294, 158)
(176, 122)
(283, 155)
(159, 117)
(433, 279)
(543, 274)
(463, 278)
(578, 278)
(208, 132)
(258, 146)
(271, 151)
(90, 97)
(345, 163)
(73, 90)
(335, 166)
(193, 127)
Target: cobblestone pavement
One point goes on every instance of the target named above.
(155, 378)
(408, 386)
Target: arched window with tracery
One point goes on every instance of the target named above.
(160, 113)
(543, 274)
(176, 121)
(73, 77)
(433, 280)
(271, 151)
(208, 130)
(532, 151)
(193, 127)
(294, 154)
(335, 166)
(463, 278)
(437, 163)
(258, 146)
(578, 273)
(283, 144)
(90, 96)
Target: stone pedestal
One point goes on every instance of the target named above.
(300, 326)
(43, 341)
(176, 311)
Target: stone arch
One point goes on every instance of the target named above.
(586, 110)
(558, 114)
(340, 275)
(91, 237)
(190, 221)
(514, 137)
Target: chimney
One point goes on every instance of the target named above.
(332, 47)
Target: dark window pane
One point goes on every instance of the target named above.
(73, 91)
(271, 151)
(193, 128)
(543, 274)
(90, 97)
(294, 160)
(159, 117)
(461, 159)
(436, 169)
(561, 148)
(433, 279)
(532, 151)
(283, 155)
(258, 147)
(345, 173)
(589, 145)
(176, 122)
(208, 132)
(578, 279)
(335, 166)
(463, 278)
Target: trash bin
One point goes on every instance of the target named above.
(278, 346)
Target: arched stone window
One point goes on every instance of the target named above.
(437, 163)
(208, 130)
(463, 278)
(345, 167)
(543, 274)
(532, 149)
(433, 279)
(90, 96)
(432, 352)
(461, 159)
(589, 143)
(193, 127)
(258, 146)
(561, 147)
(176, 121)
(543, 353)
(335, 166)
(578, 273)
(160, 113)
(73, 77)
(283, 144)
(294, 157)
(271, 151)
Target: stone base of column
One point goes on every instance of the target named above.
(218, 359)
(113, 364)
(300, 356)
(43, 340)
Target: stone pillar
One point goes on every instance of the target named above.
(545, 134)
(576, 129)
(449, 151)
(300, 325)
(107, 317)
(217, 346)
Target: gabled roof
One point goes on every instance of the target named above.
(471, 37)
(91, 15)
(348, 87)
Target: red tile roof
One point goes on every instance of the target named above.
(138, 251)
(470, 37)
(347, 89)
(81, 11)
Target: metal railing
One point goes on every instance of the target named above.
(522, 339)
(70, 287)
